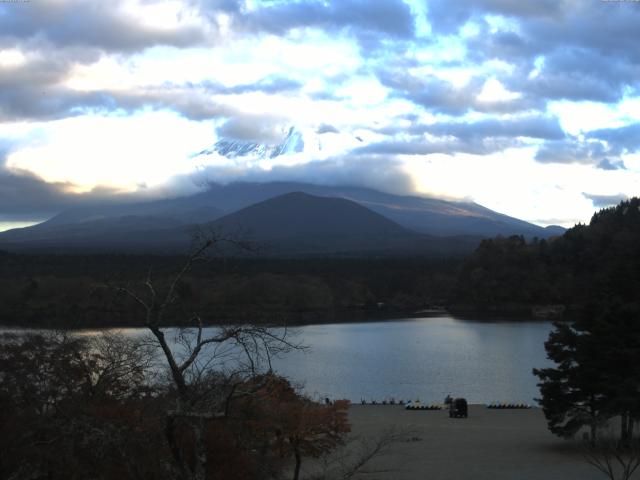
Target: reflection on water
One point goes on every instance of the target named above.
(421, 358)
(425, 358)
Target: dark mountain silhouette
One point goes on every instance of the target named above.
(299, 223)
(427, 215)
(291, 224)
(123, 225)
(300, 215)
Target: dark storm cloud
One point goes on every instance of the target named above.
(600, 201)
(85, 23)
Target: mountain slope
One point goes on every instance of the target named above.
(292, 224)
(423, 214)
(301, 223)
(297, 215)
(115, 224)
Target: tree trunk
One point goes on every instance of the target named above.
(200, 449)
(170, 434)
(298, 457)
(624, 428)
(593, 432)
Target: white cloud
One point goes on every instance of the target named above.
(511, 182)
(121, 152)
(494, 91)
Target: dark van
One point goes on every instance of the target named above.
(458, 408)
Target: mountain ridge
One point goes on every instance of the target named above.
(422, 215)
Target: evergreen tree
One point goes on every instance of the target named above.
(597, 376)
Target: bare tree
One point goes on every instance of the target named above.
(615, 459)
(235, 353)
(354, 459)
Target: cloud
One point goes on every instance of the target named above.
(571, 150)
(447, 17)
(33, 90)
(602, 148)
(601, 201)
(326, 128)
(622, 139)
(382, 173)
(404, 78)
(535, 126)
(106, 26)
(268, 85)
(606, 164)
(390, 17)
(479, 138)
(26, 197)
(418, 146)
(442, 96)
(266, 129)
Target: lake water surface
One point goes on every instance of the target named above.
(425, 358)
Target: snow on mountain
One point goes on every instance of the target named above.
(292, 143)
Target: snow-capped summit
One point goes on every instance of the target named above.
(230, 148)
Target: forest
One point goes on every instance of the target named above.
(504, 276)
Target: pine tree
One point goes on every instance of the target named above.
(597, 376)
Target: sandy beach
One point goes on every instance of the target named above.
(488, 445)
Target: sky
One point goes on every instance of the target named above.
(529, 108)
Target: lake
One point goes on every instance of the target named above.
(425, 358)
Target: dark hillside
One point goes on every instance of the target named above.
(588, 263)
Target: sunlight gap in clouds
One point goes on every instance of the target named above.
(521, 182)
(494, 91)
(579, 117)
(121, 152)
(12, 57)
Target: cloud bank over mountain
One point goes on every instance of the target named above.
(521, 106)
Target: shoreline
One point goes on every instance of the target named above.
(467, 317)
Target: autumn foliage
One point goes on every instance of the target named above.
(77, 408)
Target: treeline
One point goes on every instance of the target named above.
(74, 291)
(588, 263)
(507, 275)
